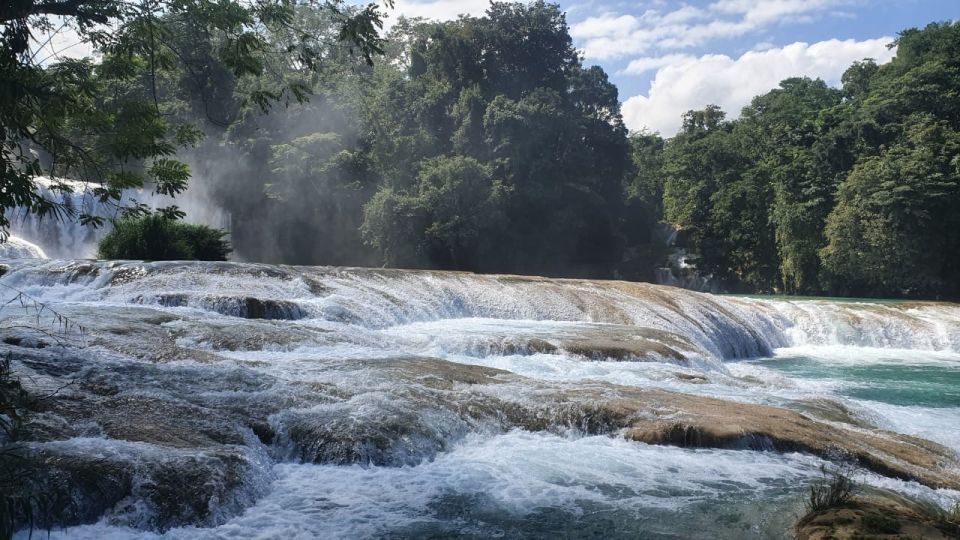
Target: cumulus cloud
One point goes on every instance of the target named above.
(685, 82)
(647, 63)
(443, 10)
(612, 35)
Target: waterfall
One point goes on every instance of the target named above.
(686, 323)
(291, 400)
(61, 237)
(66, 238)
(18, 248)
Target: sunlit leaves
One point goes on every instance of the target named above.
(169, 176)
(106, 121)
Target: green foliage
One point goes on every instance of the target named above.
(832, 490)
(891, 231)
(127, 115)
(504, 102)
(449, 217)
(156, 237)
(486, 144)
(818, 190)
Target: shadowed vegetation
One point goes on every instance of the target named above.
(158, 238)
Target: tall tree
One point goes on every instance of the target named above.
(509, 92)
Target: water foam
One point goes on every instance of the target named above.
(356, 325)
(511, 477)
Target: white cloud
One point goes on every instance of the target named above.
(646, 63)
(604, 25)
(442, 10)
(691, 83)
(613, 35)
(761, 12)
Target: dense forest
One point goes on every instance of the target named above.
(486, 144)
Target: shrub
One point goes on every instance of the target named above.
(950, 520)
(832, 490)
(159, 238)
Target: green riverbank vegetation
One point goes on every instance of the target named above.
(487, 144)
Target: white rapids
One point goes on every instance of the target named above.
(356, 403)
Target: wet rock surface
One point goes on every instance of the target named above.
(879, 517)
(172, 406)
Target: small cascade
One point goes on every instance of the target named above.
(622, 316)
(18, 248)
(62, 237)
(681, 271)
(66, 238)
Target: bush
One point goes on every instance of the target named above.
(831, 491)
(159, 238)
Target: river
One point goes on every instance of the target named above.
(228, 400)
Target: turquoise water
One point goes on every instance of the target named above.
(894, 379)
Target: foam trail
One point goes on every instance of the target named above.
(552, 480)
(339, 366)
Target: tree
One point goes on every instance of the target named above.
(785, 127)
(508, 95)
(451, 219)
(893, 230)
(713, 191)
(109, 122)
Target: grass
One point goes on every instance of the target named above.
(832, 490)
(950, 520)
(880, 524)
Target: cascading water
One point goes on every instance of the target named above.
(333, 402)
(18, 248)
(63, 237)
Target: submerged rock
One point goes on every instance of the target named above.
(139, 485)
(246, 307)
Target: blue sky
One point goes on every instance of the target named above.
(670, 56)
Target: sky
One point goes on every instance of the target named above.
(668, 56)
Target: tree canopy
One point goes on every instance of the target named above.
(119, 122)
(485, 144)
(844, 191)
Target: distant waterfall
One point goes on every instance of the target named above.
(34, 236)
(60, 238)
